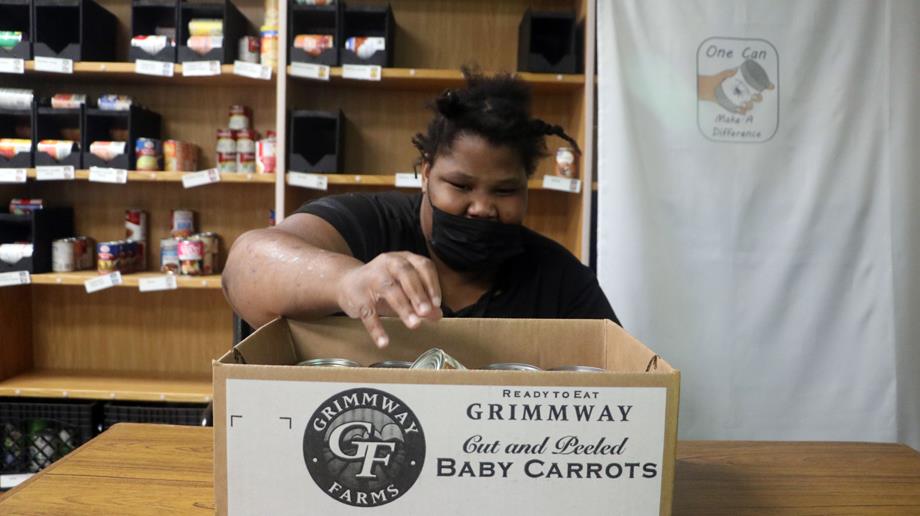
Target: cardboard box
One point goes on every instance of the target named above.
(326, 441)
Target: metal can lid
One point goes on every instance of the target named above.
(511, 366)
(393, 364)
(436, 358)
(329, 362)
(579, 368)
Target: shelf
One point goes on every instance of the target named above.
(125, 71)
(78, 278)
(377, 180)
(410, 78)
(175, 177)
(106, 386)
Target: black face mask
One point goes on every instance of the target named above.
(466, 244)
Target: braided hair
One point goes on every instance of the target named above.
(496, 108)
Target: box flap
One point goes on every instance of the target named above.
(626, 354)
(269, 345)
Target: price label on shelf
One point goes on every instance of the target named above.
(362, 72)
(164, 282)
(311, 71)
(408, 180)
(57, 173)
(200, 68)
(252, 70)
(11, 65)
(311, 181)
(13, 175)
(158, 68)
(53, 64)
(204, 177)
(108, 175)
(562, 184)
(102, 282)
(11, 481)
(9, 279)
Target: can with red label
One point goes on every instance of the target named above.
(211, 253)
(191, 253)
(83, 249)
(135, 224)
(183, 223)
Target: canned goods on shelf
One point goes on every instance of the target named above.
(191, 254)
(240, 117)
(111, 102)
(436, 358)
(179, 156)
(64, 255)
(68, 100)
(136, 225)
(210, 252)
(149, 154)
(249, 49)
(183, 223)
(511, 366)
(393, 364)
(226, 142)
(579, 368)
(329, 362)
(245, 141)
(20, 206)
(84, 247)
(268, 54)
(109, 256)
(246, 163)
(169, 255)
(226, 162)
(565, 162)
(206, 27)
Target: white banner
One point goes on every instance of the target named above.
(757, 213)
(330, 448)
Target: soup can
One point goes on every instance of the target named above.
(169, 255)
(436, 358)
(329, 362)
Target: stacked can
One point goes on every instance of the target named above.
(245, 151)
(236, 148)
(118, 255)
(148, 153)
(265, 154)
(136, 231)
(183, 223)
(169, 255)
(226, 151)
(179, 156)
(71, 254)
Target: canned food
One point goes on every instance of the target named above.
(436, 358)
(249, 49)
(110, 255)
(393, 364)
(14, 98)
(63, 255)
(10, 38)
(226, 142)
(329, 362)
(20, 206)
(132, 258)
(68, 100)
(179, 156)
(240, 117)
(565, 163)
(246, 163)
(136, 225)
(265, 154)
(115, 102)
(363, 47)
(579, 368)
(206, 27)
(511, 366)
(148, 154)
(204, 44)
(183, 223)
(107, 151)
(226, 162)
(245, 140)
(268, 53)
(83, 249)
(314, 44)
(10, 147)
(152, 44)
(191, 252)
(57, 149)
(211, 252)
(169, 255)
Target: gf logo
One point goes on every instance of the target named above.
(364, 447)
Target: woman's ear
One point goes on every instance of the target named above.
(426, 172)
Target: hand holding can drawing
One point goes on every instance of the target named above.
(735, 89)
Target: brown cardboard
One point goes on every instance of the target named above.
(272, 351)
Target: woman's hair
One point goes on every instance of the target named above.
(496, 108)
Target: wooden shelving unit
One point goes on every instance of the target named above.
(123, 344)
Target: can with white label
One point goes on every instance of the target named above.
(63, 255)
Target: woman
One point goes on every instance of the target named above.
(458, 249)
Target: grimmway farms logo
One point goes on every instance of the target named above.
(364, 447)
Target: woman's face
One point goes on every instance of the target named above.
(475, 179)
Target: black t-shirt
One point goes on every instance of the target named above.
(545, 281)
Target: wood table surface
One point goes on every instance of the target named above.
(158, 469)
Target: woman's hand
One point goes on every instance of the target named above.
(400, 283)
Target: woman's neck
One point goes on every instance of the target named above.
(460, 289)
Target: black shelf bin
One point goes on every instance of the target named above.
(35, 433)
(49, 124)
(161, 413)
(146, 17)
(548, 42)
(315, 19)
(40, 228)
(16, 15)
(9, 120)
(315, 142)
(97, 126)
(370, 21)
(234, 28)
(80, 30)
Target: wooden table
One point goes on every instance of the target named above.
(149, 469)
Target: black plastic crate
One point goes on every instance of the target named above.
(11, 121)
(368, 21)
(40, 228)
(162, 413)
(17, 15)
(316, 141)
(315, 19)
(80, 30)
(146, 17)
(549, 42)
(99, 124)
(55, 124)
(35, 433)
(234, 27)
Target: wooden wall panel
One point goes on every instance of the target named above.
(172, 334)
(15, 330)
